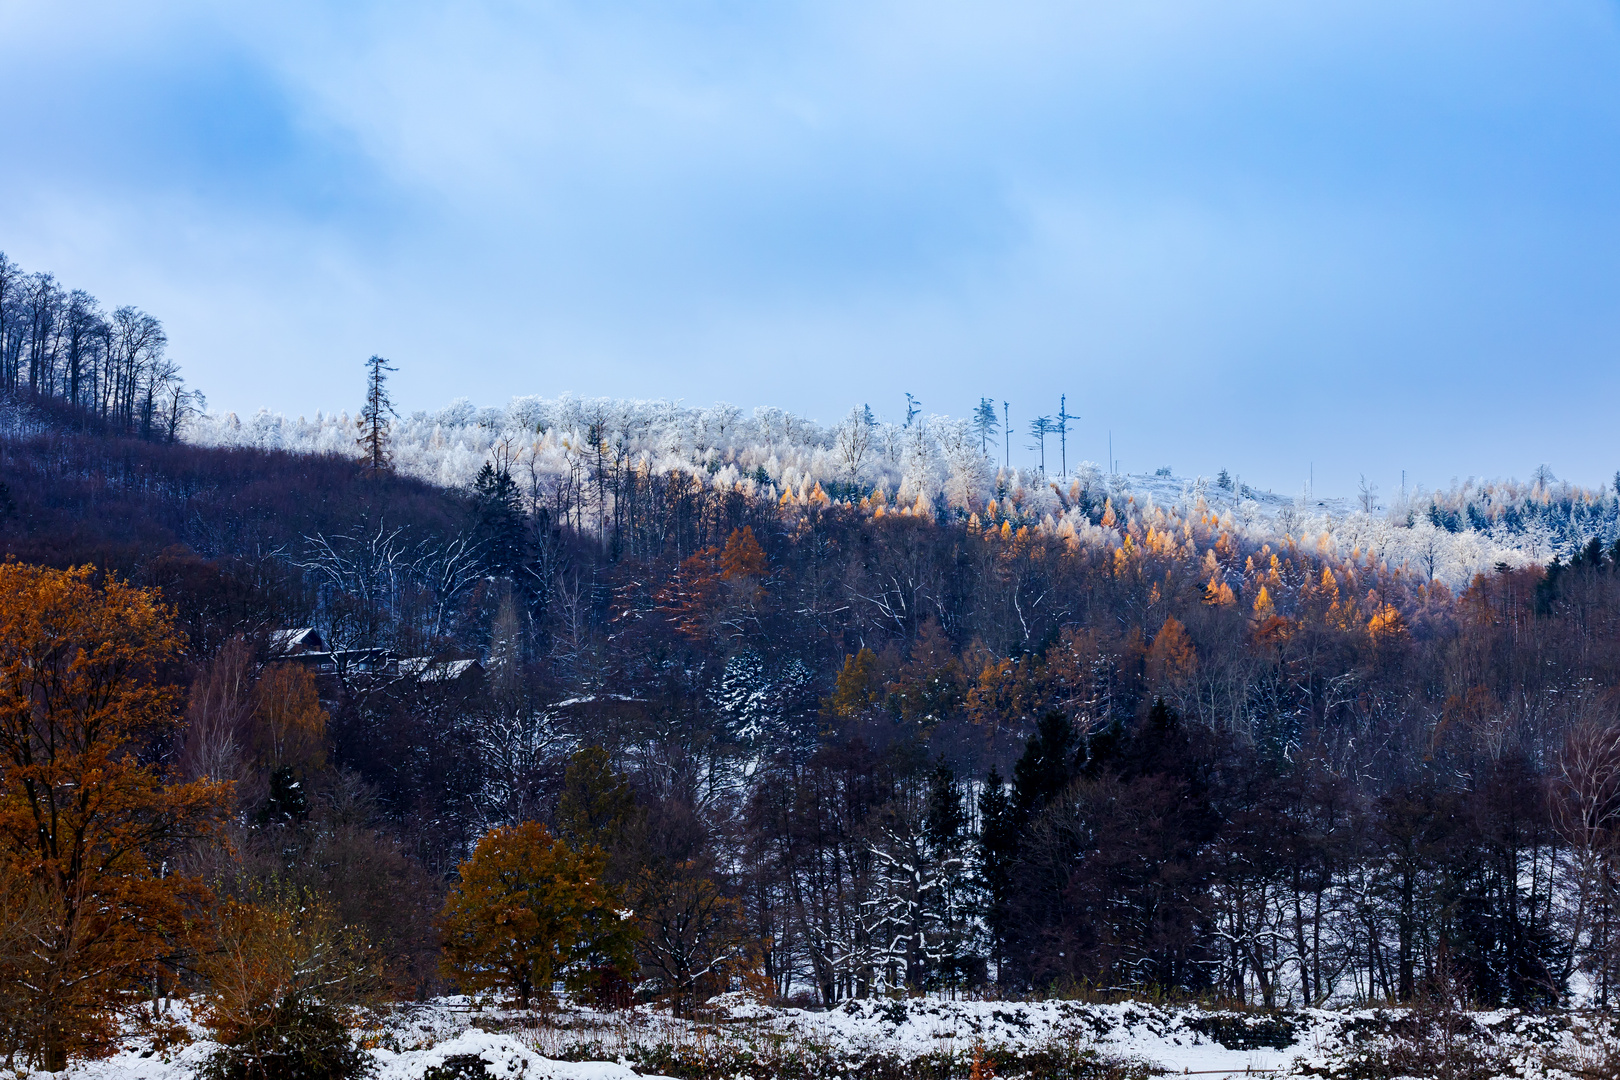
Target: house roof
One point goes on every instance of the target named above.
(302, 639)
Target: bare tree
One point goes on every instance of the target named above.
(1061, 426)
(85, 330)
(986, 423)
(59, 343)
(42, 304)
(12, 283)
(1367, 496)
(138, 342)
(1587, 814)
(179, 405)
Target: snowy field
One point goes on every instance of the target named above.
(454, 1040)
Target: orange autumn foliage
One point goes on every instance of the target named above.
(1172, 659)
(715, 592)
(742, 556)
(88, 810)
(529, 910)
(692, 595)
(277, 953)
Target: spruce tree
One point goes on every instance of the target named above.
(499, 523)
(999, 848)
(950, 927)
(1047, 766)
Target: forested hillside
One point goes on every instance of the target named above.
(575, 454)
(820, 712)
(852, 742)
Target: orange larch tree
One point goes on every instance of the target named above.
(717, 593)
(742, 556)
(89, 815)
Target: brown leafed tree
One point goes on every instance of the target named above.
(289, 729)
(89, 812)
(529, 910)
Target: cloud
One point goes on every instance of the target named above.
(1214, 221)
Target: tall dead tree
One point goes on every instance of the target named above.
(374, 417)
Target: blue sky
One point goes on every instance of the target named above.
(1369, 236)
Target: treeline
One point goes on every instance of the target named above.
(60, 344)
(831, 747)
(582, 453)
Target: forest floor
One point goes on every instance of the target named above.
(455, 1039)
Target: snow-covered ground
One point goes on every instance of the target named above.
(503, 1055)
(741, 1039)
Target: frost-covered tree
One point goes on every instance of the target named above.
(578, 463)
(967, 471)
(744, 698)
(853, 441)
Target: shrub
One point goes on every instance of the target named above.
(284, 981)
(459, 1067)
(301, 1039)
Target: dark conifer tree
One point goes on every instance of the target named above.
(374, 417)
(1047, 766)
(998, 854)
(500, 525)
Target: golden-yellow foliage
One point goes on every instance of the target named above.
(857, 686)
(1386, 623)
(1218, 592)
(262, 956)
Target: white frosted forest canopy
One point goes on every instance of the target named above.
(557, 449)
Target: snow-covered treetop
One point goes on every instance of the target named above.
(937, 465)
